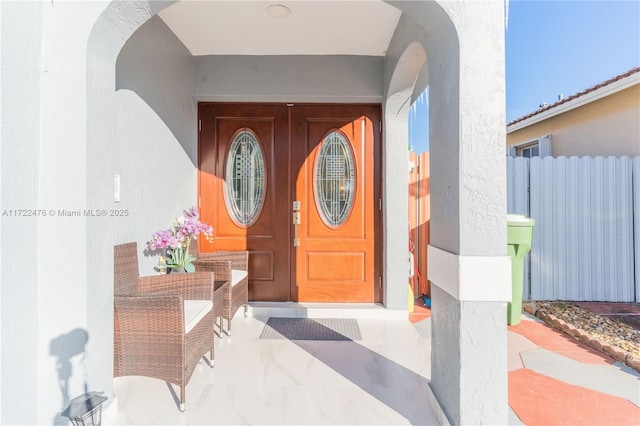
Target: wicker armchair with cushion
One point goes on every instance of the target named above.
(231, 266)
(163, 325)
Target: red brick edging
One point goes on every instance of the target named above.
(615, 352)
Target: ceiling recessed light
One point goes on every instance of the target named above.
(278, 11)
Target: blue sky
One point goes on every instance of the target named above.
(553, 48)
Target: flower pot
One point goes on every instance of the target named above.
(175, 270)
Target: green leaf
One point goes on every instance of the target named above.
(189, 267)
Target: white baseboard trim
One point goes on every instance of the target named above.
(437, 409)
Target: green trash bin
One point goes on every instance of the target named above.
(519, 238)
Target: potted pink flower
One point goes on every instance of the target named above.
(177, 239)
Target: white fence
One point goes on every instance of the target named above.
(585, 246)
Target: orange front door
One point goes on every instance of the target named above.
(244, 195)
(336, 182)
(264, 168)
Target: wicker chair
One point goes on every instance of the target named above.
(163, 325)
(229, 266)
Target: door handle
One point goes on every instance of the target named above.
(296, 222)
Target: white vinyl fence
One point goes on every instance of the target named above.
(585, 246)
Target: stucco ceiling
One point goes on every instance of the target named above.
(312, 28)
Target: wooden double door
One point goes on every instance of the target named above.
(298, 186)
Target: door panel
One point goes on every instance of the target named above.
(336, 263)
(336, 266)
(337, 260)
(267, 238)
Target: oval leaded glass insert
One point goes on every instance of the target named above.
(334, 177)
(245, 179)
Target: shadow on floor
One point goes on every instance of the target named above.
(376, 374)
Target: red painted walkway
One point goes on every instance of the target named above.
(560, 343)
(541, 400)
(538, 399)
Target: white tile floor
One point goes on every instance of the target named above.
(379, 380)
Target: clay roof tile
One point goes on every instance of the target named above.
(577, 95)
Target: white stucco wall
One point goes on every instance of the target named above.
(156, 141)
(404, 61)
(21, 74)
(45, 321)
(2, 121)
(149, 138)
(131, 116)
(464, 42)
(63, 329)
(57, 305)
(292, 78)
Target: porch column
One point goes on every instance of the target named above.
(468, 263)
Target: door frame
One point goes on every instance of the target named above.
(379, 287)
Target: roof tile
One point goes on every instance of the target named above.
(577, 95)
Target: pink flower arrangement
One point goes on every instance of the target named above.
(177, 239)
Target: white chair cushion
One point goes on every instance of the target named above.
(237, 276)
(194, 311)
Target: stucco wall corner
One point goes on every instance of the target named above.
(468, 216)
(126, 137)
(482, 129)
(21, 34)
(394, 196)
(483, 330)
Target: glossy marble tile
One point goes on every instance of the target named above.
(380, 380)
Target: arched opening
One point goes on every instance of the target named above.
(161, 143)
(137, 100)
(412, 63)
(404, 81)
(424, 30)
(73, 156)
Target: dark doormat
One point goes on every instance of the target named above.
(311, 329)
